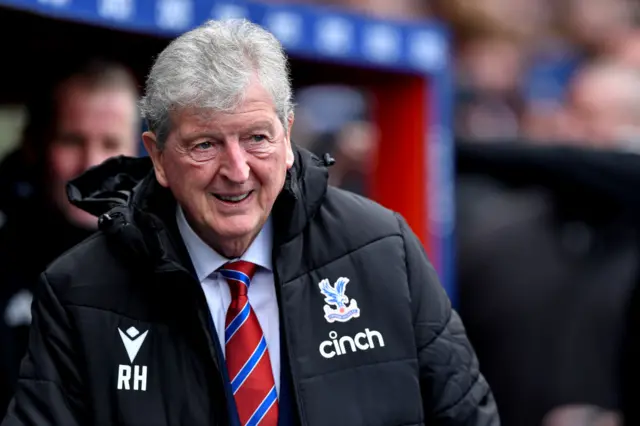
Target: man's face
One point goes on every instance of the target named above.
(226, 169)
(600, 108)
(92, 126)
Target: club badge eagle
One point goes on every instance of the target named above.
(338, 306)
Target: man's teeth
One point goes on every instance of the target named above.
(233, 198)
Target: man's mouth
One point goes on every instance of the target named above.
(235, 198)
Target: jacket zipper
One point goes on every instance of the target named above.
(284, 331)
(206, 323)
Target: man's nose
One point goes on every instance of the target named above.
(234, 163)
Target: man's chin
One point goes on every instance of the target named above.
(233, 231)
(236, 230)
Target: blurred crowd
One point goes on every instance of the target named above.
(548, 72)
(544, 71)
(533, 73)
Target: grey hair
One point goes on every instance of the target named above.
(210, 67)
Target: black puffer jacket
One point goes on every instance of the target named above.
(404, 361)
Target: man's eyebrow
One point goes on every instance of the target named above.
(260, 124)
(190, 137)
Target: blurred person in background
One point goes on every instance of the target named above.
(335, 120)
(86, 115)
(547, 248)
(547, 235)
(492, 41)
(516, 61)
(577, 33)
(575, 415)
(627, 50)
(548, 253)
(354, 155)
(489, 70)
(600, 109)
(595, 27)
(323, 110)
(603, 106)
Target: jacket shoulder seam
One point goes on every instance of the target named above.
(404, 247)
(406, 255)
(51, 269)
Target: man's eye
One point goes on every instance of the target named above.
(204, 146)
(258, 138)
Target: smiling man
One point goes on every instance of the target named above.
(226, 168)
(231, 285)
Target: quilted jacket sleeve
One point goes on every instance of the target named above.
(454, 392)
(49, 388)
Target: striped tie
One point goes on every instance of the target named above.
(247, 356)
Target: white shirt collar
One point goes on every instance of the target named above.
(206, 260)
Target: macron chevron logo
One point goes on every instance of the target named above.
(132, 340)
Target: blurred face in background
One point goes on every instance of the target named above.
(491, 73)
(604, 106)
(491, 65)
(597, 23)
(356, 145)
(627, 50)
(92, 125)
(581, 415)
(524, 18)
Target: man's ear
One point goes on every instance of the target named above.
(156, 154)
(290, 157)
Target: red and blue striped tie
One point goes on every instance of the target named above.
(247, 355)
